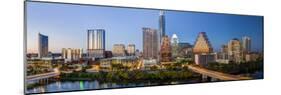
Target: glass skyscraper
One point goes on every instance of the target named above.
(161, 24)
(96, 43)
(42, 45)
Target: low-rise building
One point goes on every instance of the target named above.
(115, 63)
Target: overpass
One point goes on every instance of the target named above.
(44, 76)
(215, 74)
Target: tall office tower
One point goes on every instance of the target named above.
(175, 42)
(202, 44)
(246, 44)
(131, 49)
(96, 43)
(118, 50)
(161, 25)
(166, 50)
(43, 44)
(234, 50)
(150, 44)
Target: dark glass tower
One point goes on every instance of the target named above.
(42, 45)
(161, 25)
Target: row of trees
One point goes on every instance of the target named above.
(129, 76)
(237, 68)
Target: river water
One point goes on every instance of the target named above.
(87, 85)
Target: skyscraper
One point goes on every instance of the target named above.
(96, 43)
(161, 25)
(150, 43)
(166, 50)
(202, 44)
(246, 44)
(131, 49)
(43, 45)
(118, 50)
(175, 42)
(234, 50)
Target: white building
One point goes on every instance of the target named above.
(96, 43)
(70, 54)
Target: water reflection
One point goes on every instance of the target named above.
(84, 85)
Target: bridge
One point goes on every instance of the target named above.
(44, 76)
(215, 74)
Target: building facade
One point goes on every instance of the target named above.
(204, 59)
(202, 44)
(234, 50)
(175, 46)
(119, 50)
(185, 51)
(96, 43)
(166, 50)
(150, 44)
(246, 44)
(71, 54)
(43, 45)
(161, 25)
(131, 48)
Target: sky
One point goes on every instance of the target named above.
(66, 25)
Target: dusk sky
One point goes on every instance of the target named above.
(66, 25)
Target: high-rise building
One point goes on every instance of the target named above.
(71, 54)
(43, 45)
(161, 25)
(185, 50)
(246, 44)
(202, 44)
(119, 50)
(131, 49)
(150, 43)
(175, 42)
(166, 50)
(222, 56)
(96, 43)
(234, 50)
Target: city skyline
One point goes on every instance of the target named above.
(74, 33)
